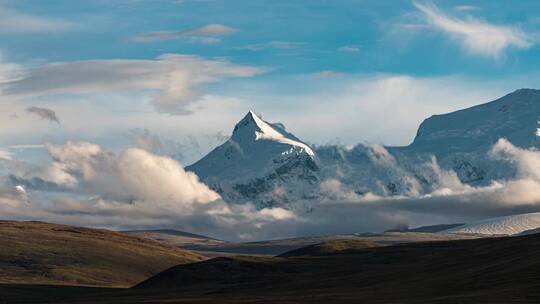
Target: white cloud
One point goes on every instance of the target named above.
(412, 26)
(131, 189)
(466, 8)
(136, 189)
(206, 34)
(277, 213)
(8, 71)
(350, 49)
(476, 36)
(5, 155)
(527, 162)
(173, 80)
(327, 73)
(451, 201)
(333, 189)
(280, 45)
(15, 22)
(132, 176)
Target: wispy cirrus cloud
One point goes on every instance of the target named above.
(15, 22)
(466, 8)
(280, 45)
(207, 34)
(476, 36)
(349, 49)
(327, 74)
(172, 81)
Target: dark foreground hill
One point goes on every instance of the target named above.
(491, 270)
(43, 253)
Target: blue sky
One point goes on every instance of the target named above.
(333, 71)
(316, 30)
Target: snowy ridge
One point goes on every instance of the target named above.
(506, 225)
(269, 133)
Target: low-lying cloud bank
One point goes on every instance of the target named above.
(135, 188)
(85, 185)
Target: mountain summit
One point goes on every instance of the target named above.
(252, 129)
(259, 160)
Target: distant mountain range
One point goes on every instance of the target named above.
(265, 164)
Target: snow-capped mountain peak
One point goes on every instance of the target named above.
(250, 123)
(259, 159)
(252, 127)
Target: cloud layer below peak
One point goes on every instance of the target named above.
(86, 185)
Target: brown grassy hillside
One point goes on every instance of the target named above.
(43, 253)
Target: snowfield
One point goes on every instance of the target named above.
(506, 225)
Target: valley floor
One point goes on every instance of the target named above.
(490, 270)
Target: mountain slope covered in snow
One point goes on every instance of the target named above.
(265, 164)
(506, 225)
(460, 140)
(513, 116)
(260, 162)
